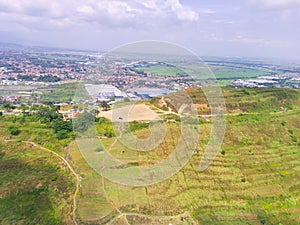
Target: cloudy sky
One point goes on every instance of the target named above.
(264, 28)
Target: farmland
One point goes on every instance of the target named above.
(162, 70)
(221, 72)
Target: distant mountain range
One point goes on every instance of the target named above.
(6, 46)
(18, 47)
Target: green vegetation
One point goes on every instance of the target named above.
(256, 100)
(221, 72)
(253, 180)
(8, 106)
(59, 93)
(166, 71)
(135, 125)
(47, 78)
(13, 130)
(83, 122)
(234, 72)
(51, 117)
(104, 127)
(35, 188)
(104, 105)
(62, 129)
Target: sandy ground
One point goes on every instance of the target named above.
(140, 112)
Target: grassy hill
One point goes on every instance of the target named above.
(35, 185)
(254, 179)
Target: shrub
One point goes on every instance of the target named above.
(99, 149)
(108, 134)
(259, 142)
(53, 178)
(62, 129)
(135, 125)
(14, 130)
(294, 138)
(83, 122)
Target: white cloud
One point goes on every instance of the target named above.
(183, 13)
(105, 13)
(85, 9)
(150, 4)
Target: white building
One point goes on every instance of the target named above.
(104, 92)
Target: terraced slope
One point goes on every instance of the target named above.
(254, 179)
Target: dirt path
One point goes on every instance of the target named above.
(121, 214)
(69, 167)
(185, 214)
(104, 190)
(166, 104)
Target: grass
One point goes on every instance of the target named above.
(234, 72)
(225, 72)
(256, 181)
(165, 71)
(60, 93)
(251, 100)
(35, 189)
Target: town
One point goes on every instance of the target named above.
(27, 76)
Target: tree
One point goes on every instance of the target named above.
(104, 105)
(95, 112)
(14, 130)
(8, 106)
(83, 122)
(47, 114)
(62, 129)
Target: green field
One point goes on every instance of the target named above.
(59, 93)
(166, 71)
(233, 72)
(225, 72)
(254, 179)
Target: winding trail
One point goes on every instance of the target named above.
(69, 167)
(185, 214)
(104, 190)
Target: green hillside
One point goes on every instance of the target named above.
(254, 179)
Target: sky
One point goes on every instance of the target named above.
(235, 28)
